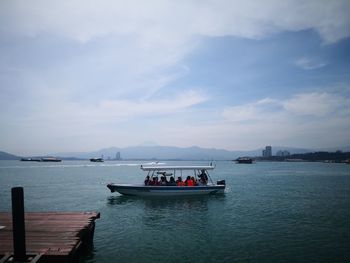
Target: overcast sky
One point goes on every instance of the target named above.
(236, 75)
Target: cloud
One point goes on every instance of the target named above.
(150, 108)
(300, 121)
(135, 49)
(60, 125)
(255, 111)
(316, 104)
(317, 119)
(116, 111)
(309, 64)
(169, 23)
(82, 71)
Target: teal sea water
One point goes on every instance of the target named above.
(271, 212)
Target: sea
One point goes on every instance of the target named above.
(270, 212)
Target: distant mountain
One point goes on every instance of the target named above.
(156, 152)
(292, 150)
(334, 149)
(173, 153)
(8, 156)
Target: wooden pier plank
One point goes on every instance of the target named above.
(54, 234)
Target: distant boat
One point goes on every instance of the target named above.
(44, 159)
(97, 160)
(50, 159)
(30, 160)
(245, 160)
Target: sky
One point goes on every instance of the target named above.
(227, 74)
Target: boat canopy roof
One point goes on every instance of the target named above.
(172, 168)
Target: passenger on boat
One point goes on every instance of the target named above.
(171, 181)
(203, 178)
(154, 182)
(194, 181)
(189, 181)
(147, 180)
(179, 182)
(163, 180)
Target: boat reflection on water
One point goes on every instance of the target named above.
(175, 202)
(121, 199)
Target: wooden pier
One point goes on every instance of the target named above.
(49, 236)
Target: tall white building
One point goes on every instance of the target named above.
(267, 152)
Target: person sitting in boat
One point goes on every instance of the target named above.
(163, 180)
(179, 182)
(189, 181)
(171, 181)
(154, 182)
(147, 180)
(194, 181)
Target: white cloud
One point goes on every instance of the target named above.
(316, 104)
(317, 119)
(309, 64)
(171, 23)
(297, 121)
(150, 108)
(116, 111)
(255, 111)
(125, 55)
(148, 40)
(57, 125)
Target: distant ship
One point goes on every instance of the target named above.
(43, 159)
(30, 159)
(50, 159)
(97, 160)
(245, 160)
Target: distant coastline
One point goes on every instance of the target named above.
(154, 153)
(329, 157)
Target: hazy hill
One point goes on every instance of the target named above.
(169, 152)
(155, 152)
(8, 156)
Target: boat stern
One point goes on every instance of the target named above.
(221, 182)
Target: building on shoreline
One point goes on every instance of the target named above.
(284, 153)
(267, 152)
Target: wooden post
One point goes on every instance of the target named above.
(19, 237)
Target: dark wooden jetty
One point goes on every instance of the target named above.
(44, 236)
(55, 236)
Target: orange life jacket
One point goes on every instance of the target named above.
(180, 183)
(190, 183)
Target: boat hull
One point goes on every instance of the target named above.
(166, 190)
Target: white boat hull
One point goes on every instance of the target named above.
(141, 190)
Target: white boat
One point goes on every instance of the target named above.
(203, 186)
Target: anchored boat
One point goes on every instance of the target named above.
(245, 160)
(97, 160)
(191, 180)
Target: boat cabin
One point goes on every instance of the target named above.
(172, 175)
